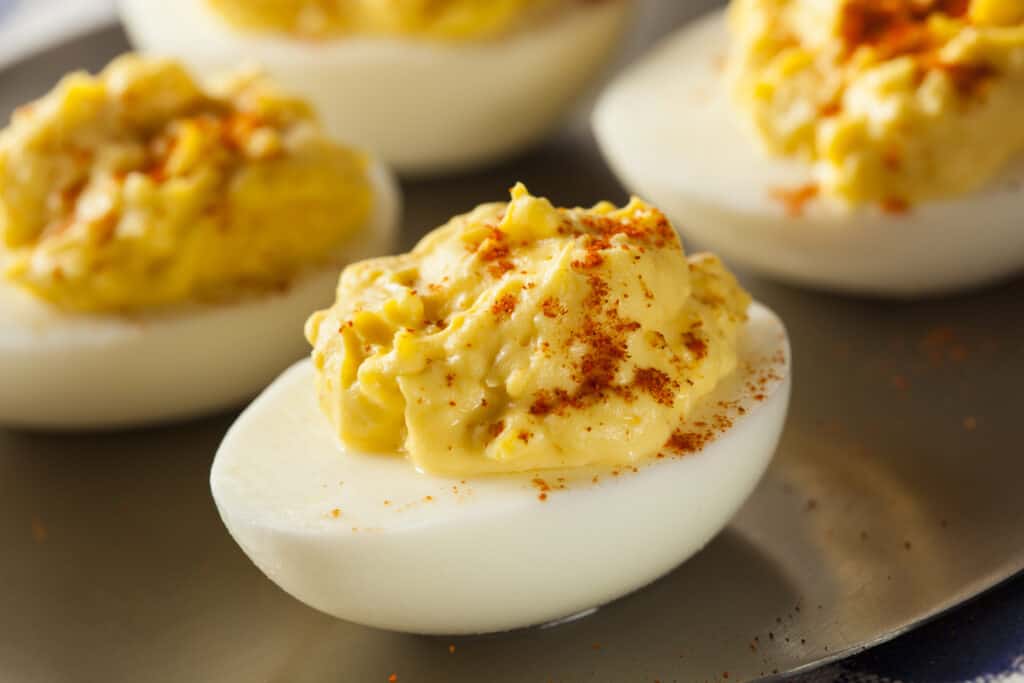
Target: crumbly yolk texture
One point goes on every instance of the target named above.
(894, 101)
(521, 336)
(454, 20)
(135, 189)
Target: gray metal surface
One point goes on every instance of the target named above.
(895, 494)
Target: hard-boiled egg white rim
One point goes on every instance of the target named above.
(668, 129)
(72, 371)
(422, 106)
(368, 539)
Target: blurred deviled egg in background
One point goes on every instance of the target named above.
(536, 411)
(858, 145)
(159, 242)
(429, 85)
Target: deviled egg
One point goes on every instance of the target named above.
(536, 411)
(160, 242)
(429, 85)
(858, 145)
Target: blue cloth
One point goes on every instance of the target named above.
(982, 640)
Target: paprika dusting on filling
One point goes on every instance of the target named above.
(795, 199)
(893, 27)
(142, 188)
(896, 28)
(842, 84)
(600, 320)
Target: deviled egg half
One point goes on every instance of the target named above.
(536, 411)
(429, 85)
(160, 242)
(858, 145)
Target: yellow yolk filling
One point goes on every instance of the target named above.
(521, 336)
(895, 101)
(453, 20)
(136, 189)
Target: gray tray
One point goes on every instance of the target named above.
(895, 494)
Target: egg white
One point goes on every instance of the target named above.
(411, 552)
(669, 131)
(421, 106)
(75, 371)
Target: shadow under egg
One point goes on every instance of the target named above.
(652, 633)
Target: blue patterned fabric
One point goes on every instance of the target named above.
(980, 642)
